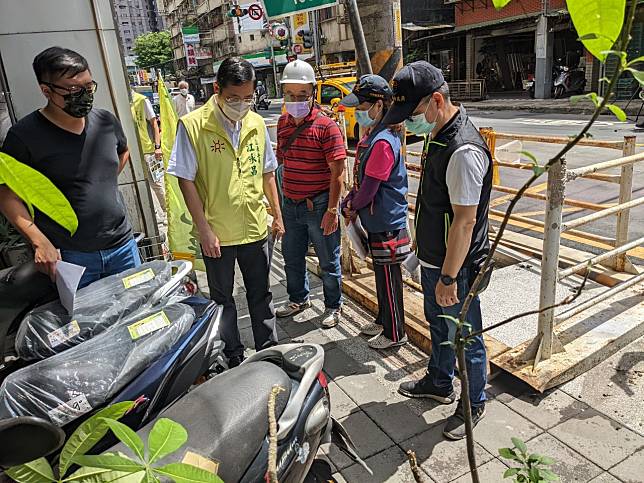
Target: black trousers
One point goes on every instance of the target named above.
(391, 311)
(253, 262)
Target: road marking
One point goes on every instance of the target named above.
(563, 122)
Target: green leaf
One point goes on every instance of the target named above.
(452, 319)
(547, 460)
(602, 18)
(636, 60)
(149, 477)
(90, 432)
(619, 113)
(529, 155)
(185, 473)
(520, 445)
(499, 4)
(507, 453)
(166, 437)
(638, 74)
(127, 436)
(548, 475)
(592, 96)
(37, 190)
(36, 471)
(511, 472)
(109, 461)
(88, 474)
(447, 343)
(617, 53)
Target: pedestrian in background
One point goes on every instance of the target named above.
(150, 139)
(225, 165)
(311, 148)
(451, 230)
(82, 150)
(184, 102)
(379, 198)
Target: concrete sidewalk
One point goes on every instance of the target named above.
(593, 426)
(548, 106)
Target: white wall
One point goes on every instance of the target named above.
(27, 27)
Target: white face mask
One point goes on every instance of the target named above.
(184, 92)
(234, 111)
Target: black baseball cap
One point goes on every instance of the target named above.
(370, 88)
(411, 84)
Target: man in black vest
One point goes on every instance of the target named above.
(451, 221)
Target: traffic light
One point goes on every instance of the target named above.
(237, 11)
(307, 39)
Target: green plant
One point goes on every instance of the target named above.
(154, 49)
(532, 466)
(165, 438)
(37, 190)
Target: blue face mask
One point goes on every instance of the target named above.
(364, 119)
(419, 125)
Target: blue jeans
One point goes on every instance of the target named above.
(302, 225)
(443, 359)
(104, 263)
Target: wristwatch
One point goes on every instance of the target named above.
(333, 211)
(157, 146)
(447, 280)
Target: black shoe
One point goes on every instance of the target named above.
(455, 426)
(234, 361)
(425, 388)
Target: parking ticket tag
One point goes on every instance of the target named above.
(62, 334)
(70, 410)
(138, 278)
(148, 325)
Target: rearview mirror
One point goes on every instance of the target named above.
(26, 438)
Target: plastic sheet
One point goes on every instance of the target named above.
(49, 329)
(63, 387)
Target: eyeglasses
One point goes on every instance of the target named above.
(290, 98)
(76, 91)
(238, 100)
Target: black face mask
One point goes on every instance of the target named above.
(79, 106)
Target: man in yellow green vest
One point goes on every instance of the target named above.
(225, 164)
(150, 139)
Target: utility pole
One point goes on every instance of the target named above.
(362, 53)
(316, 38)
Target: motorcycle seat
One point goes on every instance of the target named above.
(227, 417)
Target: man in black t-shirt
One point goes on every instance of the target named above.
(82, 151)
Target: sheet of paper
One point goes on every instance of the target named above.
(358, 238)
(67, 277)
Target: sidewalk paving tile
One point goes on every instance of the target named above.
(570, 465)
(389, 466)
(366, 388)
(490, 472)
(441, 459)
(605, 478)
(600, 439)
(631, 470)
(499, 425)
(338, 364)
(367, 436)
(398, 420)
(341, 404)
(546, 411)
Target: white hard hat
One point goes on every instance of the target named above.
(298, 72)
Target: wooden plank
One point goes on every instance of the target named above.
(588, 339)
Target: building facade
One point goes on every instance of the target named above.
(134, 18)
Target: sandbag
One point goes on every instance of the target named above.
(65, 386)
(49, 329)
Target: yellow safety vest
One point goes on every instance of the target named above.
(230, 181)
(138, 113)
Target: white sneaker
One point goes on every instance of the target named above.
(371, 329)
(291, 308)
(380, 342)
(331, 318)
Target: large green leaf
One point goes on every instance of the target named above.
(90, 432)
(35, 189)
(36, 471)
(87, 474)
(598, 23)
(109, 461)
(165, 437)
(499, 4)
(127, 436)
(185, 473)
